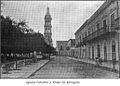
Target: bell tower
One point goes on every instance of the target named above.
(47, 28)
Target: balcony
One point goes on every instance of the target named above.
(79, 44)
(102, 31)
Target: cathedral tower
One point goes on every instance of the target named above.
(47, 28)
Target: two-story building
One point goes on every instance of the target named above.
(71, 47)
(66, 48)
(61, 47)
(98, 36)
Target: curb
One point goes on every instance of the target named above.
(102, 67)
(37, 69)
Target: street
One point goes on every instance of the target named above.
(65, 68)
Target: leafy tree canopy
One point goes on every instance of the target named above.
(17, 37)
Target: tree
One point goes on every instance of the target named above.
(19, 38)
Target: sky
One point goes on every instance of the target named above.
(67, 16)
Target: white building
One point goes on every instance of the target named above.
(98, 36)
(61, 47)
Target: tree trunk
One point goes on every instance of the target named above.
(15, 60)
(49, 56)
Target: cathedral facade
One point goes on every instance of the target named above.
(47, 28)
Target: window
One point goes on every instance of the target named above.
(98, 50)
(93, 52)
(61, 48)
(112, 20)
(80, 38)
(113, 46)
(49, 23)
(85, 34)
(113, 50)
(98, 26)
(89, 52)
(104, 23)
(105, 52)
(67, 48)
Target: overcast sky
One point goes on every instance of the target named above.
(67, 16)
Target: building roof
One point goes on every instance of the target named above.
(71, 39)
(61, 41)
(81, 27)
(100, 9)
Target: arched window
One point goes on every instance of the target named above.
(104, 23)
(105, 52)
(112, 20)
(98, 50)
(113, 50)
(93, 52)
(113, 46)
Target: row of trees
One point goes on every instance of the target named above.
(18, 38)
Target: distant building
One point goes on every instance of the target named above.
(98, 36)
(71, 43)
(61, 47)
(71, 47)
(66, 47)
(48, 26)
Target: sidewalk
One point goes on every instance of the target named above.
(24, 71)
(105, 65)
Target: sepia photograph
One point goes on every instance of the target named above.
(60, 40)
